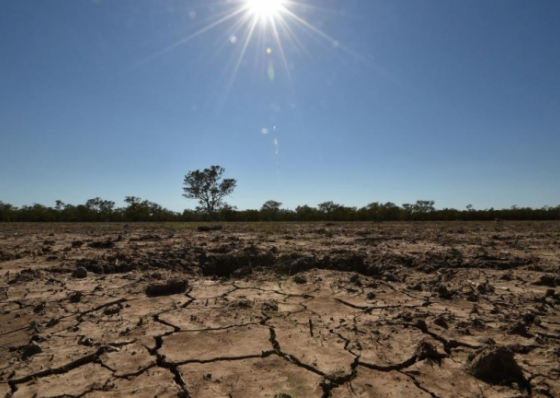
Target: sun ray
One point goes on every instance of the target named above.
(293, 37)
(186, 39)
(260, 27)
(282, 52)
(320, 33)
(244, 49)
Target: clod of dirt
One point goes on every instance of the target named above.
(107, 244)
(75, 297)
(80, 273)
(242, 272)
(426, 350)
(241, 303)
(548, 280)
(112, 310)
(26, 275)
(269, 306)
(355, 279)
(521, 330)
(146, 238)
(32, 349)
(485, 288)
(495, 365)
(209, 228)
(406, 316)
(443, 292)
(440, 321)
(300, 279)
(77, 243)
(172, 286)
(39, 308)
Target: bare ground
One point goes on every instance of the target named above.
(280, 310)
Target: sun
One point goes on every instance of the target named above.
(265, 9)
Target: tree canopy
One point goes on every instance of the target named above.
(208, 187)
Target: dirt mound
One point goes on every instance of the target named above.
(224, 265)
(172, 286)
(496, 365)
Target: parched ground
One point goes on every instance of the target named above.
(280, 310)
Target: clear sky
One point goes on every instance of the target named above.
(352, 101)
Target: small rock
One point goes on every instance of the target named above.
(443, 292)
(77, 243)
(440, 321)
(32, 349)
(300, 279)
(548, 280)
(40, 308)
(80, 273)
(355, 279)
(75, 297)
(112, 310)
(521, 330)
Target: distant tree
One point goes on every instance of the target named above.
(59, 205)
(208, 187)
(270, 209)
(306, 213)
(7, 212)
(328, 207)
(422, 208)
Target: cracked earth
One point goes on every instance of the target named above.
(280, 310)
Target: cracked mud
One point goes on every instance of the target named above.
(280, 310)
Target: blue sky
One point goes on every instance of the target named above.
(352, 101)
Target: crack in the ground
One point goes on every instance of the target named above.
(330, 382)
(448, 345)
(262, 322)
(93, 357)
(418, 385)
(369, 309)
(172, 367)
(166, 323)
(264, 354)
(92, 388)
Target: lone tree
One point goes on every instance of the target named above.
(208, 187)
(271, 206)
(270, 209)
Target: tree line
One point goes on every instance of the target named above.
(136, 209)
(210, 188)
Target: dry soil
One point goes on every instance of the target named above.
(280, 310)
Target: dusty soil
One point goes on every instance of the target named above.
(280, 310)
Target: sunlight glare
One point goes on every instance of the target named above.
(265, 9)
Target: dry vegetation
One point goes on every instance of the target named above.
(280, 310)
